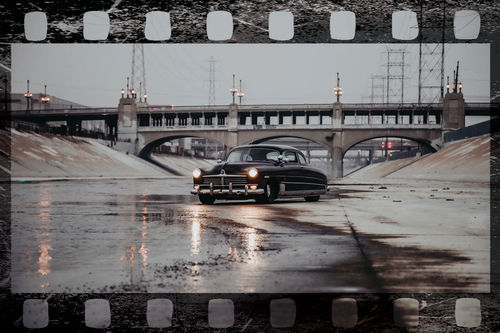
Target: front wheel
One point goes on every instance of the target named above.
(206, 199)
(270, 194)
(312, 199)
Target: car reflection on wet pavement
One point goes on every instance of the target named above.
(147, 236)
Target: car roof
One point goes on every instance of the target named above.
(262, 145)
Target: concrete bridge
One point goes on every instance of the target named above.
(336, 127)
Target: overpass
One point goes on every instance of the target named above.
(337, 127)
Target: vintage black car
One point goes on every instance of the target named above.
(261, 172)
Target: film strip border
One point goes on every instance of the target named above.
(280, 25)
(253, 21)
(255, 312)
(301, 22)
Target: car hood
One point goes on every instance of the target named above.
(233, 167)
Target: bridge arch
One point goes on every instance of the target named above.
(152, 141)
(425, 142)
(255, 137)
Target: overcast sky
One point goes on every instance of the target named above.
(93, 74)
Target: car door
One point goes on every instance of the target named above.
(313, 178)
(294, 177)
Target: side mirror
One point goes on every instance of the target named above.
(280, 158)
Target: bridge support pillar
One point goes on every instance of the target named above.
(337, 155)
(453, 111)
(127, 120)
(337, 163)
(337, 115)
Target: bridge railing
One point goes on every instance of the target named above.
(75, 111)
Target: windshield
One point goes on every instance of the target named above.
(253, 154)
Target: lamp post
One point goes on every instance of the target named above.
(128, 89)
(447, 84)
(241, 93)
(123, 92)
(28, 96)
(460, 87)
(233, 90)
(45, 98)
(145, 98)
(338, 90)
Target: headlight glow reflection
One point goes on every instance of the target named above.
(196, 173)
(253, 172)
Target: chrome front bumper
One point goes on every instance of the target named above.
(246, 191)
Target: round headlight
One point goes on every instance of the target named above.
(196, 173)
(253, 172)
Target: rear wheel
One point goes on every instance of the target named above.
(270, 194)
(312, 199)
(206, 199)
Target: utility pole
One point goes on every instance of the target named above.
(211, 81)
(403, 78)
(388, 76)
(420, 34)
(442, 48)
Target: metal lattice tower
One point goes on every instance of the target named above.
(378, 88)
(395, 71)
(211, 82)
(138, 76)
(431, 63)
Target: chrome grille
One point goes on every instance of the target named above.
(225, 180)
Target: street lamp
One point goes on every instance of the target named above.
(128, 89)
(233, 90)
(145, 98)
(240, 93)
(337, 90)
(28, 96)
(460, 87)
(447, 84)
(133, 93)
(45, 98)
(123, 92)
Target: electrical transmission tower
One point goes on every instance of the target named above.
(378, 88)
(138, 76)
(211, 82)
(395, 72)
(431, 62)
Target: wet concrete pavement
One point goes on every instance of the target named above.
(152, 236)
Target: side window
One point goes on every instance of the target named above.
(302, 159)
(272, 156)
(290, 155)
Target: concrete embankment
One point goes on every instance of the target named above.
(466, 160)
(182, 165)
(36, 156)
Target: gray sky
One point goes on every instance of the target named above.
(93, 74)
